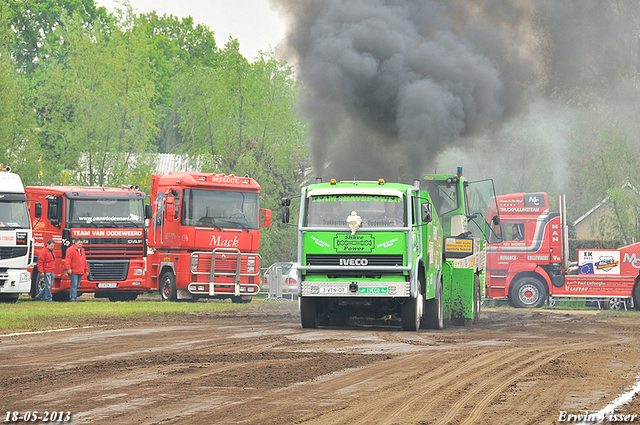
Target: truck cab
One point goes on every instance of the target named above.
(16, 243)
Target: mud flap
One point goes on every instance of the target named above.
(457, 286)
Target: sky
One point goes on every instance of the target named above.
(255, 24)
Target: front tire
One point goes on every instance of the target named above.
(243, 299)
(528, 292)
(434, 310)
(411, 312)
(167, 287)
(9, 298)
(309, 312)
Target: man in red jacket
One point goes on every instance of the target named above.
(46, 261)
(75, 263)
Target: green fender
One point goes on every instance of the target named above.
(457, 291)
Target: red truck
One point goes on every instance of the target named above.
(530, 264)
(204, 236)
(111, 223)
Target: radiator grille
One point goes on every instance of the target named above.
(372, 260)
(108, 270)
(12, 252)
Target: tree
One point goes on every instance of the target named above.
(100, 98)
(17, 121)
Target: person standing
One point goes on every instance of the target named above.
(75, 263)
(46, 262)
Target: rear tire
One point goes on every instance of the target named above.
(477, 300)
(434, 310)
(168, 286)
(636, 296)
(527, 292)
(615, 304)
(308, 312)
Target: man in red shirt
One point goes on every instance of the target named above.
(46, 261)
(75, 263)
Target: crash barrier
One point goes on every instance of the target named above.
(275, 287)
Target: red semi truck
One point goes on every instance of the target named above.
(531, 263)
(111, 223)
(204, 236)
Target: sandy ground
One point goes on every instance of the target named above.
(260, 367)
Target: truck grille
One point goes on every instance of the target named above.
(108, 270)
(372, 260)
(6, 253)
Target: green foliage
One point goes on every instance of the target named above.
(99, 99)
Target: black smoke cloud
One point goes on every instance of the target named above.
(387, 85)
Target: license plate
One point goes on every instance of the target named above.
(374, 290)
(340, 290)
(107, 285)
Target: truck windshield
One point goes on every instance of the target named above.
(14, 215)
(444, 195)
(217, 208)
(107, 212)
(374, 210)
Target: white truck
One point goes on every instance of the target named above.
(16, 241)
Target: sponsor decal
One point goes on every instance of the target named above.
(227, 243)
(598, 262)
(21, 238)
(387, 244)
(112, 233)
(320, 242)
(361, 242)
(458, 245)
(508, 257)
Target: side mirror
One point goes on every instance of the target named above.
(148, 211)
(427, 215)
(38, 209)
(285, 202)
(170, 208)
(286, 214)
(265, 217)
(496, 220)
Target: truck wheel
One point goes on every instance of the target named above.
(168, 286)
(9, 298)
(614, 304)
(241, 299)
(123, 296)
(308, 312)
(477, 299)
(636, 295)
(433, 317)
(38, 284)
(527, 292)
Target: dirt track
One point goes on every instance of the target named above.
(260, 367)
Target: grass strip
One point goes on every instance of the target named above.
(30, 315)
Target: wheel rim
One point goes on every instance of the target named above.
(529, 294)
(615, 304)
(166, 291)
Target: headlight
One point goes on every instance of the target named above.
(25, 276)
(194, 263)
(138, 272)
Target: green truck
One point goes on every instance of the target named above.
(378, 249)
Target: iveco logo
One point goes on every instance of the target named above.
(354, 261)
